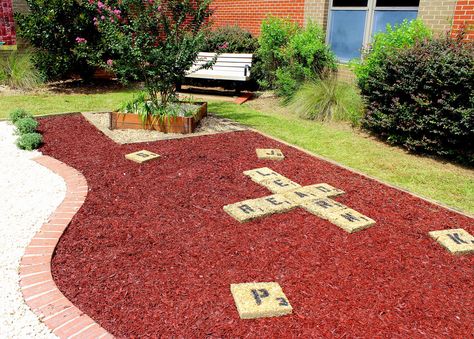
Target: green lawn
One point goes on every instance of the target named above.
(450, 184)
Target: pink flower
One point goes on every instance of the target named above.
(100, 4)
(80, 40)
(110, 62)
(102, 17)
(224, 45)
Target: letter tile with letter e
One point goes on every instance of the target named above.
(260, 300)
(270, 154)
(457, 241)
(142, 156)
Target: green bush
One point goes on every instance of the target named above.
(328, 99)
(306, 57)
(26, 125)
(422, 97)
(29, 141)
(384, 44)
(233, 38)
(18, 71)
(18, 114)
(52, 27)
(275, 35)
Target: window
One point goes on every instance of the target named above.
(352, 23)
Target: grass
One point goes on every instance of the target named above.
(48, 103)
(450, 184)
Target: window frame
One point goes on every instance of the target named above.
(369, 17)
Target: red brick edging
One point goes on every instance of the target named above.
(36, 282)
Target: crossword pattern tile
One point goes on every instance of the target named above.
(270, 154)
(313, 198)
(256, 208)
(457, 241)
(142, 156)
(260, 300)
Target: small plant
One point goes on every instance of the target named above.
(232, 39)
(422, 97)
(26, 125)
(328, 99)
(51, 27)
(275, 35)
(29, 141)
(153, 41)
(19, 113)
(386, 43)
(18, 71)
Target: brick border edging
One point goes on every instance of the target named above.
(36, 282)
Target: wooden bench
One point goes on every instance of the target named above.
(234, 67)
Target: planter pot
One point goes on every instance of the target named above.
(168, 124)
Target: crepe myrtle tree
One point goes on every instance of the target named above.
(155, 41)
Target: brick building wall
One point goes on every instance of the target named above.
(316, 11)
(437, 14)
(249, 14)
(464, 17)
(7, 26)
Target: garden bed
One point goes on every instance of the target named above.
(152, 252)
(167, 124)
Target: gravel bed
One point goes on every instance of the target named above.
(30, 194)
(209, 125)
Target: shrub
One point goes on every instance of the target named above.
(153, 41)
(52, 28)
(18, 114)
(26, 125)
(386, 43)
(306, 56)
(29, 141)
(18, 71)
(422, 97)
(328, 99)
(233, 38)
(275, 35)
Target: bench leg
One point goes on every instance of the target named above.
(178, 86)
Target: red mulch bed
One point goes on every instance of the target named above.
(152, 252)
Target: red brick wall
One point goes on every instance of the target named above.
(464, 17)
(7, 29)
(249, 14)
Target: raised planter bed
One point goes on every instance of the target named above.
(169, 124)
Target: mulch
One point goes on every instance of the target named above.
(152, 252)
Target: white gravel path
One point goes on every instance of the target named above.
(29, 194)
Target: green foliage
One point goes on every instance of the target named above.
(52, 27)
(290, 55)
(230, 39)
(384, 44)
(422, 97)
(18, 114)
(275, 35)
(18, 71)
(328, 99)
(305, 57)
(152, 41)
(145, 107)
(26, 125)
(29, 141)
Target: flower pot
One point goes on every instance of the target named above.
(167, 124)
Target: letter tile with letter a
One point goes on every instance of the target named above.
(457, 241)
(260, 300)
